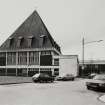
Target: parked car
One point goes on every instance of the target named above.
(92, 75)
(58, 78)
(67, 77)
(97, 83)
(42, 77)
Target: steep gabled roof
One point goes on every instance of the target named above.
(31, 34)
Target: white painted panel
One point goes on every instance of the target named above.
(68, 65)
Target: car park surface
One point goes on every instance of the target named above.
(56, 93)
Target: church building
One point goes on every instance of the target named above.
(31, 49)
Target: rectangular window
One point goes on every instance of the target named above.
(43, 40)
(56, 72)
(29, 42)
(18, 43)
(46, 71)
(56, 62)
(10, 42)
(2, 59)
(20, 38)
(11, 58)
(46, 60)
(33, 71)
(11, 72)
(2, 71)
(33, 58)
(30, 39)
(45, 52)
(22, 58)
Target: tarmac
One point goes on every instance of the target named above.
(6, 80)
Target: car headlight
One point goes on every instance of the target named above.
(101, 84)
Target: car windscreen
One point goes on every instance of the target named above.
(99, 77)
(44, 75)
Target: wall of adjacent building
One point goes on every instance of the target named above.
(92, 66)
(68, 65)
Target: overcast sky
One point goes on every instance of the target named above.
(68, 21)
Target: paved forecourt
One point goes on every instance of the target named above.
(57, 93)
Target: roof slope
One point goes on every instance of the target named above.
(33, 31)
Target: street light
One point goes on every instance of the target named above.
(83, 44)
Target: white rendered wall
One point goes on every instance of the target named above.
(68, 65)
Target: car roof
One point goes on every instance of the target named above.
(40, 74)
(100, 76)
(36, 75)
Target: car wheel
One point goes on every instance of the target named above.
(45, 81)
(72, 79)
(52, 81)
(40, 81)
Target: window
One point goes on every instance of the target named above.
(46, 60)
(30, 39)
(33, 71)
(33, 58)
(2, 59)
(46, 71)
(11, 72)
(22, 58)
(46, 53)
(43, 39)
(56, 62)
(2, 71)
(11, 58)
(20, 38)
(10, 42)
(56, 72)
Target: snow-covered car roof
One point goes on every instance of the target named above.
(40, 75)
(36, 75)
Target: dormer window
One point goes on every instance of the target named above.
(41, 36)
(42, 40)
(20, 38)
(30, 39)
(10, 42)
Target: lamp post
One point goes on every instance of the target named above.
(83, 49)
(83, 53)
